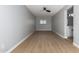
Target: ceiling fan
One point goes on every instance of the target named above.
(45, 9)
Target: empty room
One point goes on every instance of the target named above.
(39, 28)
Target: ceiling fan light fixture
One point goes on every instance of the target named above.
(45, 9)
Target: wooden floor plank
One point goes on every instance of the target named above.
(46, 42)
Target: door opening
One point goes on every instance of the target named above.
(70, 23)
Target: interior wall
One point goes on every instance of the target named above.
(43, 27)
(58, 23)
(16, 22)
(76, 25)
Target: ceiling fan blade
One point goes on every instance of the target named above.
(48, 11)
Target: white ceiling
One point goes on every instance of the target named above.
(37, 10)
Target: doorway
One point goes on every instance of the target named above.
(70, 23)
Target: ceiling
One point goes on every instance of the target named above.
(37, 10)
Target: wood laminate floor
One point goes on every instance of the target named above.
(46, 42)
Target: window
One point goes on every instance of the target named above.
(43, 21)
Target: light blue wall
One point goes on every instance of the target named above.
(76, 24)
(58, 23)
(16, 22)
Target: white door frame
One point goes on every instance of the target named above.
(65, 24)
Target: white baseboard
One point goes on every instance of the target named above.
(65, 37)
(43, 30)
(10, 50)
(76, 45)
(61, 35)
